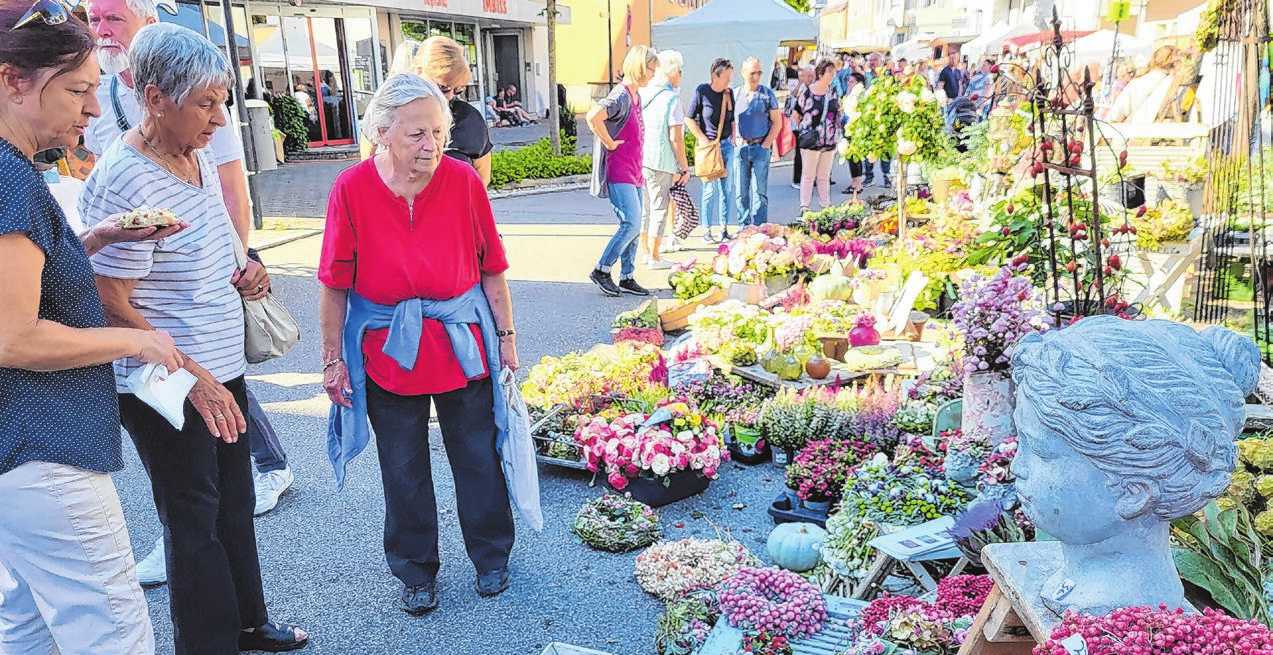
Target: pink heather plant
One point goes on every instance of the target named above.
(993, 314)
(963, 595)
(1143, 631)
(876, 616)
(772, 601)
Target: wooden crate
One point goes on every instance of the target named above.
(678, 318)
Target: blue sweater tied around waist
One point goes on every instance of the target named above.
(348, 428)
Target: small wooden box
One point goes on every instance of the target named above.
(678, 317)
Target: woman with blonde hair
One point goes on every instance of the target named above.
(616, 122)
(1143, 99)
(441, 60)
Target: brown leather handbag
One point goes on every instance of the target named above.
(709, 163)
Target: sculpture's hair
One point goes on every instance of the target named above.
(1153, 402)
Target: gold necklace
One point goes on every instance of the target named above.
(188, 179)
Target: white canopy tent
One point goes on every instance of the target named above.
(1097, 47)
(991, 41)
(734, 29)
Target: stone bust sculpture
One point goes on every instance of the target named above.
(1124, 426)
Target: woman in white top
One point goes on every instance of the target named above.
(188, 284)
(1143, 98)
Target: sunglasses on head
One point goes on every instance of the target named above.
(50, 12)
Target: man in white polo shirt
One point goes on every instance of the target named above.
(115, 23)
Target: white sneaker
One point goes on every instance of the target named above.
(661, 264)
(269, 486)
(673, 246)
(153, 569)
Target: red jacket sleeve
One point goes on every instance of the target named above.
(336, 262)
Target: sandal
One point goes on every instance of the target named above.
(272, 638)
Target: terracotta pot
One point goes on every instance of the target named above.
(834, 347)
(817, 367)
(989, 399)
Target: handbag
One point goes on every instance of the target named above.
(269, 330)
(812, 137)
(786, 138)
(709, 163)
(686, 212)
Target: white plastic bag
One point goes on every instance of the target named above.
(517, 453)
(165, 392)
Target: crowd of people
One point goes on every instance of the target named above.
(412, 270)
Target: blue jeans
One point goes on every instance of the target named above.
(266, 449)
(719, 200)
(626, 201)
(752, 165)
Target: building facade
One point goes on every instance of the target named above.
(333, 56)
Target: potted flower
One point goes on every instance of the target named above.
(821, 468)
(1183, 182)
(659, 458)
(992, 315)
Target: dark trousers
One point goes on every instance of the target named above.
(796, 169)
(266, 449)
(886, 167)
(467, 419)
(855, 168)
(205, 497)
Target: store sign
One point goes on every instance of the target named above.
(435, 3)
(495, 6)
(1118, 11)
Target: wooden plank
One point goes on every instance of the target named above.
(978, 643)
(1003, 624)
(878, 572)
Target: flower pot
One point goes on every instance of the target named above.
(746, 447)
(782, 456)
(864, 335)
(988, 404)
(834, 347)
(652, 492)
(793, 500)
(915, 325)
(941, 190)
(817, 505)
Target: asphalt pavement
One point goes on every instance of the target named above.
(321, 551)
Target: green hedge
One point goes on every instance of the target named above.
(290, 119)
(537, 162)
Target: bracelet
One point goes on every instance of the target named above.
(332, 363)
(504, 333)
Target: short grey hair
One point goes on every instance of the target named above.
(670, 61)
(143, 8)
(752, 60)
(177, 61)
(398, 91)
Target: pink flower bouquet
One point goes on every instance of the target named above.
(628, 448)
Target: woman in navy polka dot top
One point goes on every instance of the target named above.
(62, 534)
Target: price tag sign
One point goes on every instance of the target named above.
(1118, 11)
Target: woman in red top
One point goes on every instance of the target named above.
(407, 224)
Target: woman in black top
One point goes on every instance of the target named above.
(441, 60)
(817, 116)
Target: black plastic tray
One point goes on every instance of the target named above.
(783, 513)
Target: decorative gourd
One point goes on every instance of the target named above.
(864, 333)
(818, 367)
(769, 355)
(789, 367)
(832, 286)
(796, 546)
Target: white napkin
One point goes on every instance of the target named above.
(164, 391)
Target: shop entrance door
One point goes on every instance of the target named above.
(319, 76)
(508, 63)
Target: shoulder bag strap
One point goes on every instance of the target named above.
(725, 106)
(120, 119)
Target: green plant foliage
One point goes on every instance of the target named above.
(1221, 552)
(290, 119)
(567, 123)
(690, 144)
(537, 162)
(893, 112)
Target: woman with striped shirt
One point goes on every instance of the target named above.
(189, 285)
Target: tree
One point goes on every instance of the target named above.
(802, 6)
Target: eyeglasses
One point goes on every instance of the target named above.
(51, 12)
(445, 89)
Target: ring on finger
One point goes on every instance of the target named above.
(218, 416)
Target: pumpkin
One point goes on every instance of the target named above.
(832, 286)
(796, 546)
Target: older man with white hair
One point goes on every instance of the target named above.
(115, 23)
(759, 122)
(663, 156)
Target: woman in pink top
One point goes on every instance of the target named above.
(616, 122)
